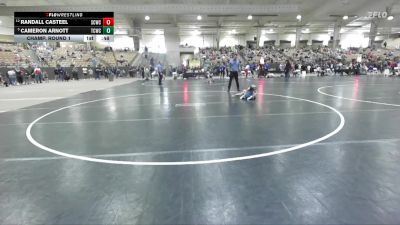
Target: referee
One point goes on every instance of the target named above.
(160, 70)
(234, 66)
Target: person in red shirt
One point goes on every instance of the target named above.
(38, 75)
(393, 64)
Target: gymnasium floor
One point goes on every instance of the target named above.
(307, 151)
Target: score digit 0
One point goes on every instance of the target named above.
(108, 30)
(108, 21)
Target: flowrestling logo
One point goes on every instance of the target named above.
(375, 14)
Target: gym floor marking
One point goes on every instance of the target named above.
(29, 99)
(160, 163)
(352, 99)
(198, 117)
(115, 155)
(190, 85)
(190, 104)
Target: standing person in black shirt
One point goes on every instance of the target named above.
(20, 78)
(97, 72)
(288, 67)
(235, 68)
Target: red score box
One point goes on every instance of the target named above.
(108, 21)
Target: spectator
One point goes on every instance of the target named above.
(90, 73)
(160, 69)
(20, 78)
(288, 68)
(98, 72)
(75, 75)
(84, 72)
(38, 75)
(11, 77)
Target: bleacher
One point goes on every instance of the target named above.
(76, 55)
(215, 55)
(106, 58)
(125, 58)
(7, 58)
(14, 55)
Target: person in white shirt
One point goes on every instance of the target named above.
(247, 70)
(262, 61)
(84, 72)
(12, 77)
(90, 73)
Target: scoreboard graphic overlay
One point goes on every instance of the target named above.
(63, 26)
